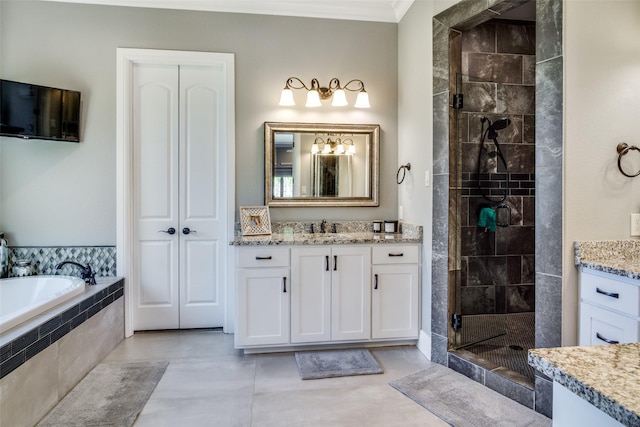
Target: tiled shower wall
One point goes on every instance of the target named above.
(498, 269)
(101, 258)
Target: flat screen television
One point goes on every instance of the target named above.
(38, 112)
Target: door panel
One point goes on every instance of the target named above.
(310, 295)
(155, 157)
(202, 192)
(351, 293)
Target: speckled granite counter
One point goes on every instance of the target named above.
(347, 233)
(325, 239)
(607, 376)
(619, 257)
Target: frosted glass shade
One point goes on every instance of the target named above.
(313, 99)
(339, 98)
(326, 149)
(286, 98)
(314, 149)
(362, 101)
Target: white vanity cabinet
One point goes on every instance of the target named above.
(395, 292)
(609, 308)
(330, 293)
(263, 296)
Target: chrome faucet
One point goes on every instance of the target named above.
(87, 273)
(323, 226)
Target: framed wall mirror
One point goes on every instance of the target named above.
(321, 164)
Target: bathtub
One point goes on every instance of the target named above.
(22, 298)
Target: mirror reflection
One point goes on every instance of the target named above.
(328, 165)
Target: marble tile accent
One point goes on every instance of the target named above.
(548, 310)
(548, 230)
(101, 258)
(549, 99)
(549, 22)
(606, 376)
(619, 257)
(368, 238)
(544, 396)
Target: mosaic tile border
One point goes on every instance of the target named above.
(101, 258)
(21, 349)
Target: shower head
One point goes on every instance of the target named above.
(500, 124)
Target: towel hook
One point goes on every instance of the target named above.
(404, 169)
(623, 148)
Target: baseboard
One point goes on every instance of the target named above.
(424, 344)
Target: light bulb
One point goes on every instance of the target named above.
(313, 99)
(326, 149)
(362, 101)
(286, 98)
(339, 98)
(352, 149)
(340, 149)
(314, 149)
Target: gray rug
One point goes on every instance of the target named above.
(110, 395)
(336, 363)
(465, 403)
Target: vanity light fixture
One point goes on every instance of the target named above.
(336, 146)
(316, 93)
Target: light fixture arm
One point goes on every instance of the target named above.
(358, 88)
(325, 92)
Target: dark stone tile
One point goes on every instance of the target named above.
(478, 299)
(466, 368)
(70, 314)
(37, 347)
(529, 210)
(480, 97)
(24, 341)
(440, 226)
(528, 69)
(495, 68)
(78, 320)
(521, 298)
(439, 348)
(548, 29)
(501, 299)
(5, 352)
(506, 387)
(514, 270)
(521, 240)
(529, 129)
(521, 158)
(441, 134)
(544, 397)
(548, 123)
(60, 332)
(439, 295)
(548, 230)
(50, 326)
(528, 269)
(520, 99)
(516, 38)
(11, 364)
(548, 311)
(481, 38)
(489, 270)
(476, 242)
(440, 57)
(94, 309)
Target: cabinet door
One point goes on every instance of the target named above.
(310, 294)
(394, 301)
(350, 293)
(598, 326)
(263, 307)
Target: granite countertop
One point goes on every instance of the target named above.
(326, 239)
(619, 257)
(607, 376)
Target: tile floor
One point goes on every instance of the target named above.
(209, 383)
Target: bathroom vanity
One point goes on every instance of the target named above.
(301, 290)
(598, 383)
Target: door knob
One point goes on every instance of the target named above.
(186, 230)
(169, 230)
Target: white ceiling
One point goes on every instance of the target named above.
(358, 10)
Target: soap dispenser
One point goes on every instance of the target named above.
(4, 256)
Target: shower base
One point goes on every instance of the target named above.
(509, 350)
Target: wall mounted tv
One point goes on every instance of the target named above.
(38, 112)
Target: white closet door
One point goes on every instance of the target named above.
(155, 164)
(202, 196)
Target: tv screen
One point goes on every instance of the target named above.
(38, 112)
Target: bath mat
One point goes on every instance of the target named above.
(112, 394)
(336, 363)
(460, 402)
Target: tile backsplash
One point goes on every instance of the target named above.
(101, 258)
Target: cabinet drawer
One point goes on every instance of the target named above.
(598, 326)
(395, 254)
(611, 293)
(262, 256)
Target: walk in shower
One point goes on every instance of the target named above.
(492, 202)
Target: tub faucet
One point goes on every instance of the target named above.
(87, 273)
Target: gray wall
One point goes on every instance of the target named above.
(64, 194)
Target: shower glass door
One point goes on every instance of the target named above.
(480, 209)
